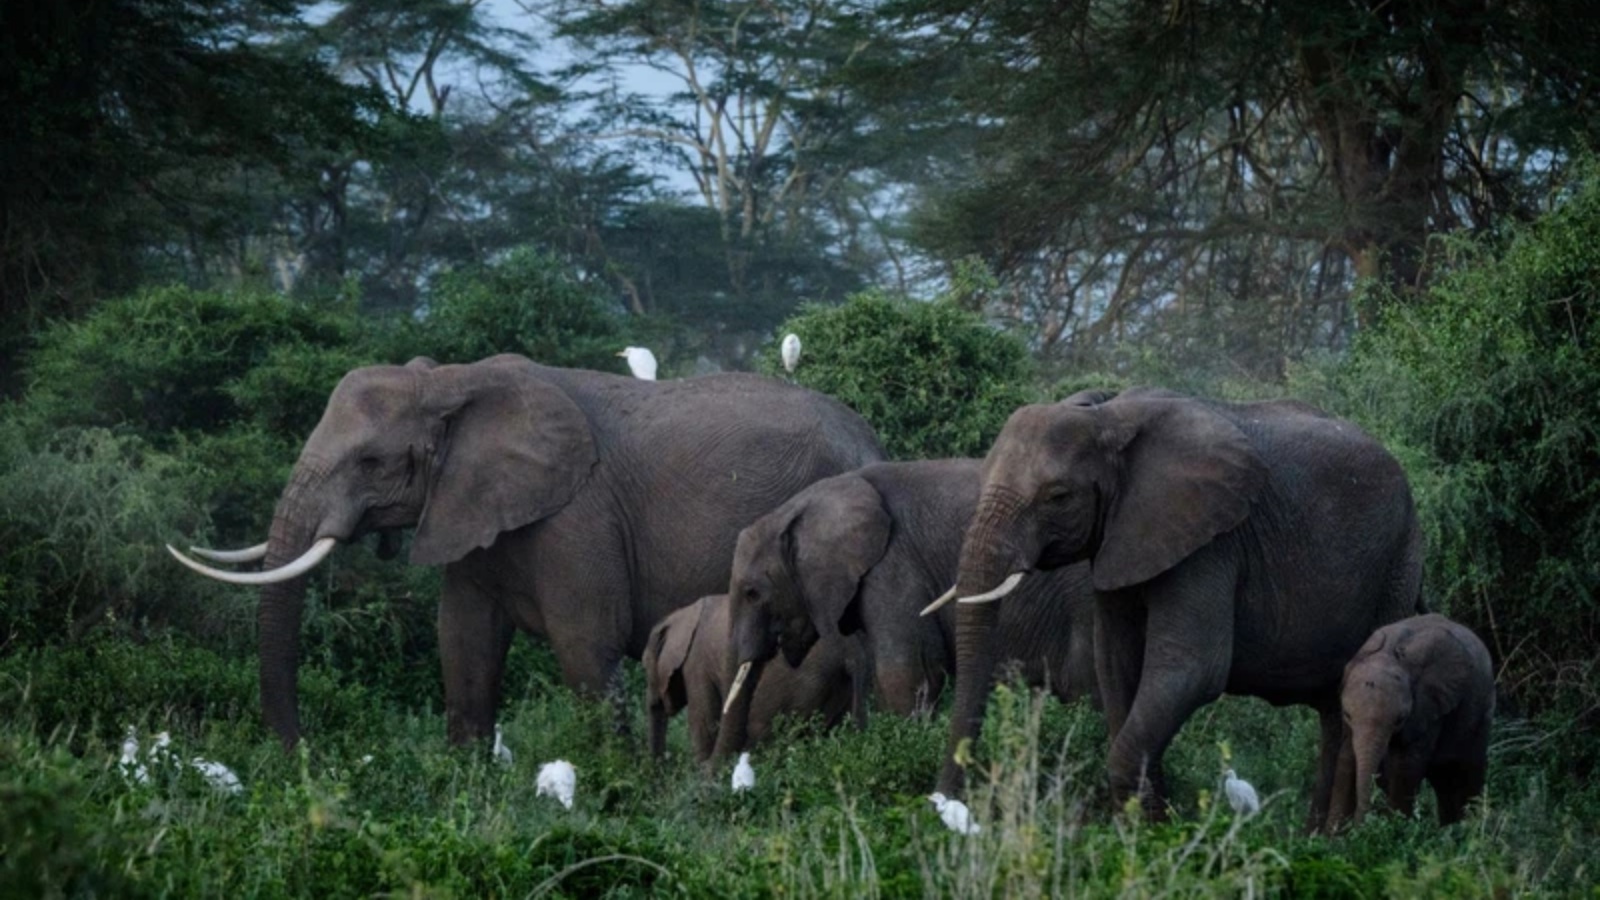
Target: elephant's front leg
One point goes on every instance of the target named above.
(1330, 758)
(474, 636)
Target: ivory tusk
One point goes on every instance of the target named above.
(248, 554)
(738, 682)
(305, 563)
(944, 598)
(1006, 587)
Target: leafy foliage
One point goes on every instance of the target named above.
(1487, 388)
(931, 378)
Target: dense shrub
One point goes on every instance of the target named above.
(527, 303)
(1486, 387)
(170, 359)
(934, 380)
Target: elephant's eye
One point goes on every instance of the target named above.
(369, 463)
(751, 595)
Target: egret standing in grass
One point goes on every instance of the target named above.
(744, 775)
(954, 814)
(219, 776)
(131, 767)
(557, 779)
(1241, 795)
(791, 352)
(641, 362)
(502, 753)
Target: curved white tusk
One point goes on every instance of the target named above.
(944, 598)
(738, 682)
(1006, 587)
(305, 563)
(248, 554)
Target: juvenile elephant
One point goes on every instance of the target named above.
(1246, 548)
(573, 504)
(865, 552)
(686, 667)
(1418, 700)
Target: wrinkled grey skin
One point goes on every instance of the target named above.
(573, 504)
(1418, 701)
(685, 667)
(865, 552)
(1247, 549)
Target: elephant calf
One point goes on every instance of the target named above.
(686, 667)
(1418, 698)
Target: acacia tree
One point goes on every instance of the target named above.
(1128, 158)
(758, 123)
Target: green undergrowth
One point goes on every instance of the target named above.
(837, 815)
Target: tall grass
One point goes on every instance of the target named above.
(833, 815)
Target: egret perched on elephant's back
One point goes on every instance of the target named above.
(641, 362)
(791, 352)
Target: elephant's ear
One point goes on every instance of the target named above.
(511, 449)
(839, 534)
(1187, 475)
(1439, 681)
(670, 642)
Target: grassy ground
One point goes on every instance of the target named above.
(841, 815)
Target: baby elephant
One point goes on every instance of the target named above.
(686, 666)
(1418, 698)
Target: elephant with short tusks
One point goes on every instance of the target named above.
(1239, 548)
(1418, 700)
(685, 668)
(862, 554)
(574, 504)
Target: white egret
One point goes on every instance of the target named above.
(160, 752)
(954, 814)
(641, 362)
(744, 775)
(791, 352)
(1241, 795)
(217, 775)
(131, 767)
(557, 779)
(502, 753)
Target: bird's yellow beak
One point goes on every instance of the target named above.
(622, 353)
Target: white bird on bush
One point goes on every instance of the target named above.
(641, 362)
(161, 750)
(1241, 795)
(502, 753)
(559, 780)
(954, 814)
(217, 775)
(131, 767)
(744, 775)
(791, 352)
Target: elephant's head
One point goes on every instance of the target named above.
(796, 574)
(1133, 482)
(665, 653)
(1395, 690)
(462, 452)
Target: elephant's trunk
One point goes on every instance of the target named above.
(733, 732)
(1370, 746)
(975, 663)
(989, 556)
(281, 608)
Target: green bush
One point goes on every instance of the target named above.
(527, 303)
(85, 515)
(1486, 388)
(169, 359)
(933, 379)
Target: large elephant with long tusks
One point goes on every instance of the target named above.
(1240, 548)
(574, 504)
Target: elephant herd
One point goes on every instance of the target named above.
(746, 538)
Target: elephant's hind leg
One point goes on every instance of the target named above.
(474, 637)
